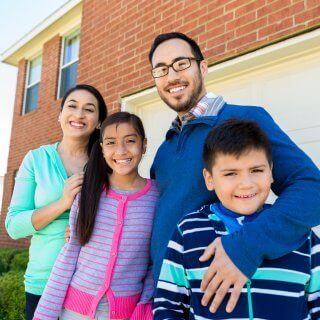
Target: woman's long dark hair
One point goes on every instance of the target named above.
(101, 105)
(96, 176)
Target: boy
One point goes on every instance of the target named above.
(238, 167)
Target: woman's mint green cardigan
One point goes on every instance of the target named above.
(39, 182)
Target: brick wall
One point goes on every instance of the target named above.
(116, 35)
(115, 39)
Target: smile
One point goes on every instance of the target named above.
(246, 196)
(122, 161)
(176, 89)
(77, 124)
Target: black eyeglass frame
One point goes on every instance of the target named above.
(172, 66)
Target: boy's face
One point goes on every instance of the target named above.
(242, 184)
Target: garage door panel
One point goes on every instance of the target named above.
(287, 91)
(156, 118)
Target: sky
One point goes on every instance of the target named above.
(17, 18)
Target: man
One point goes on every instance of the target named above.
(179, 69)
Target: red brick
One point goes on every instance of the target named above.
(243, 20)
(215, 51)
(197, 31)
(251, 6)
(251, 26)
(223, 38)
(312, 3)
(235, 4)
(194, 14)
(272, 7)
(242, 41)
(285, 13)
(219, 30)
(282, 34)
(221, 20)
(308, 15)
(213, 5)
(313, 23)
(275, 28)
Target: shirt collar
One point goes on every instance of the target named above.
(208, 105)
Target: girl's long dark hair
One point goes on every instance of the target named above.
(101, 105)
(96, 176)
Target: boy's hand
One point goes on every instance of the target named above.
(220, 277)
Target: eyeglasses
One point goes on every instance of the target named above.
(178, 65)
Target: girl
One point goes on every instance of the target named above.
(103, 272)
(46, 184)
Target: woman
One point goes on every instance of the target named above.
(46, 184)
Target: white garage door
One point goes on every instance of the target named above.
(283, 78)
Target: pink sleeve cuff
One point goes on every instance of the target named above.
(143, 311)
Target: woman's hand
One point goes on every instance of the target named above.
(71, 188)
(45, 215)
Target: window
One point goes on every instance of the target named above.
(69, 62)
(32, 84)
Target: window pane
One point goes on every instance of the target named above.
(71, 49)
(32, 98)
(35, 70)
(68, 78)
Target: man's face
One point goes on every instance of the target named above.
(179, 90)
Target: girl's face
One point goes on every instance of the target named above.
(79, 116)
(122, 149)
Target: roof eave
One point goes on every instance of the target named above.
(9, 56)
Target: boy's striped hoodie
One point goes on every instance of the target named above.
(287, 288)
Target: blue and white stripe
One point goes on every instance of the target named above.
(287, 288)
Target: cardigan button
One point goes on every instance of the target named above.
(113, 312)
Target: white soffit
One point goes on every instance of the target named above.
(65, 17)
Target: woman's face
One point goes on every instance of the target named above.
(79, 116)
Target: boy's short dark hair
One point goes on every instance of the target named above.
(234, 137)
(175, 35)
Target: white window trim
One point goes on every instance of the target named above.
(61, 65)
(27, 86)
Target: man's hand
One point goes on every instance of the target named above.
(220, 277)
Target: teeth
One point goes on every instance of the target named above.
(77, 124)
(246, 196)
(123, 161)
(176, 89)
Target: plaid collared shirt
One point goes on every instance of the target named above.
(209, 105)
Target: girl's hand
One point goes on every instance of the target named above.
(71, 188)
(67, 234)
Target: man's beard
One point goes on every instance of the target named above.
(192, 100)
